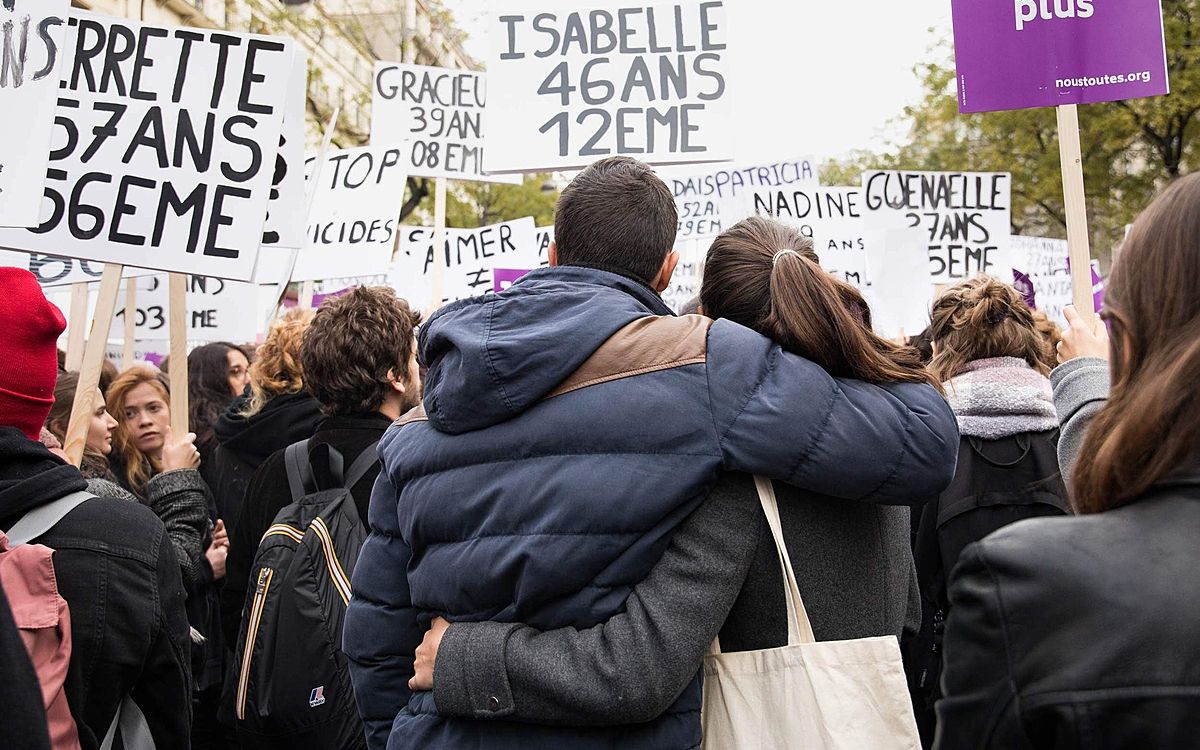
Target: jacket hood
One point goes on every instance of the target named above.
(283, 420)
(31, 476)
(491, 358)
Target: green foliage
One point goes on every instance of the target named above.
(478, 204)
(1131, 149)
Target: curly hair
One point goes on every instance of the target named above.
(276, 370)
(983, 318)
(352, 344)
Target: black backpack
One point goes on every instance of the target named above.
(292, 686)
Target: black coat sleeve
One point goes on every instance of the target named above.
(980, 708)
(265, 495)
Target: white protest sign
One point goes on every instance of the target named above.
(469, 257)
(1044, 261)
(287, 209)
(163, 151)
(570, 87)
(831, 217)
(900, 293)
(545, 238)
(711, 200)
(440, 113)
(685, 282)
(55, 270)
(959, 222)
(31, 48)
(357, 206)
(217, 310)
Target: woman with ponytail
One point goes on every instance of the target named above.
(1081, 632)
(720, 574)
(993, 361)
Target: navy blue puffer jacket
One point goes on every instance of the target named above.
(569, 426)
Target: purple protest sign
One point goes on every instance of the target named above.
(1016, 54)
(1024, 286)
(503, 278)
(1097, 286)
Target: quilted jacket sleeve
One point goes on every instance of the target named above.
(381, 631)
(781, 416)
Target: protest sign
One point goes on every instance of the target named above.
(959, 222)
(569, 87)
(55, 270)
(1044, 261)
(685, 282)
(901, 293)
(545, 238)
(147, 352)
(287, 209)
(468, 259)
(503, 278)
(831, 217)
(31, 49)
(440, 113)
(1014, 54)
(352, 229)
(163, 148)
(711, 200)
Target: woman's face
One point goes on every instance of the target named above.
(239, 371)
(100, 429)
(147, 417)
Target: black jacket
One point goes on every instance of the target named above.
(244, 444)
(268, 493)
(1079, 632)
(996, 483)
(117, 570)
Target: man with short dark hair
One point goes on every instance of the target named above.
(569, 426)
(358, 358)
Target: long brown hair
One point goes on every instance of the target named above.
(1151, 424)
(137, 467)
(94, 462)
(982, 318)
(765, 276)
(276, 370)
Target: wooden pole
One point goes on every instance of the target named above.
(1079, 246)
(77, 324)
(439, 243)
(306, 295)
(93, 360)
(130, 323)
(179, 366)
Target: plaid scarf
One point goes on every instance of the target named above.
(1001, 397)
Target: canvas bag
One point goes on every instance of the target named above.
(828, 695)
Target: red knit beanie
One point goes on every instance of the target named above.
(29, 331)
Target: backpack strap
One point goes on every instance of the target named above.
(299, 471)
(40, 520)
(135, 730)
(362, 465)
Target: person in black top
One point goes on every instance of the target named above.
(359, 362)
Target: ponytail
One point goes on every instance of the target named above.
(767, 277)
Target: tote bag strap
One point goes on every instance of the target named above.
(799, 628)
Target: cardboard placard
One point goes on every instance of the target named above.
(31, 50)
(55, 270)
(355, 213)
(570, 87)
(712, 200)
(1014, 54)
(288, 207)
(832, 218)
(163, 148)
(440, 114)
(1044, 261)
(468, 259)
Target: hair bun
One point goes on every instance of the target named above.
(989, 303)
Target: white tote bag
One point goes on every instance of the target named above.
(807, 695)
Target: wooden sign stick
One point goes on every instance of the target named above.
(130, 322)
(93, 361)
(177, 322)
(1079, 245)
(77, 326)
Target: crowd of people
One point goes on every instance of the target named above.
(526, 521)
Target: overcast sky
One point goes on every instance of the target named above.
(815, 77)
